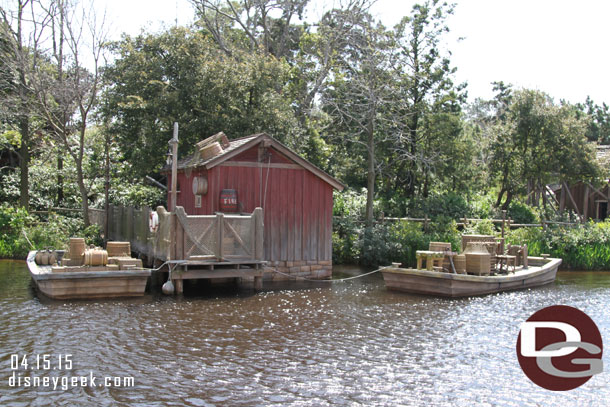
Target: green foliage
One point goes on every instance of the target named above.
(182, 76)
(451, 205)
(482, 227)
(585, 247)
(137, 195)
(18, 229)
(12, 222)
(521, 213)
(389, 242)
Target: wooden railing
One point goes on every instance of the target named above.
(220, 237)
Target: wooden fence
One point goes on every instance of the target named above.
(219, 237)
(467, 221)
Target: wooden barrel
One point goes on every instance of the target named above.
(77, 250)
(459, 262)
(96, 257)
(228, 200)
(44, 258)
(118, 249)
(38, 257)
(200, 185)
(210, 150)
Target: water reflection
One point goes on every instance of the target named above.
(342, 343)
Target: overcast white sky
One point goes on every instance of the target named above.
(557, 46)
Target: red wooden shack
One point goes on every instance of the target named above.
(296, 196)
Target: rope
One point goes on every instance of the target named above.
(339, 280)
(26, 238)
(175, 263)
(266, 181)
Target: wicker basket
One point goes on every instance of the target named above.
(118, 249)
(210, 150)
(478, 259)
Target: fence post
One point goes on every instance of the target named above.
(220, 234)
(259, 217)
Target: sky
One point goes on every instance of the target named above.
(556, 46)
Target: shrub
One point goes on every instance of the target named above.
(20, 231)
(389, 242)
(584, 247)
(450, 205)
(521, 213)
(482, 227)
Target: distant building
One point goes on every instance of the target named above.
(586, 200)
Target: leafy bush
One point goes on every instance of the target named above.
(12, 223)
(482, 227)
(450, 205)
(521, 213)
(389, 242)
(20, 231)
(584, 247)
(137, 195)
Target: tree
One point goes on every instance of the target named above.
(427, 86)
(262, 31)
(181, 75)
(360, 99)
(599, 125)
(537, 142)
(65, 91)
(21, 34)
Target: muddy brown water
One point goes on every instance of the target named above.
(320, 344)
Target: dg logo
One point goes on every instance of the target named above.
(560, 348)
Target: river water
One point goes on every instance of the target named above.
(342, 344)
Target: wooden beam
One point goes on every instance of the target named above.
(585, 209)
(250, 164)
(212, 274)
(572, 200)
(595, 190)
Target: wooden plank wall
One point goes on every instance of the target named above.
(297, 204)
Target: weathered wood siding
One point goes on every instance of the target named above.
(297, 203)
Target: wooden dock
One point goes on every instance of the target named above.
(211, 247)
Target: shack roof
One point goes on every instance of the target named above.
(240, 145)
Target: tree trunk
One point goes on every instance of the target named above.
(83, 192)
(370, 184)
(509, 198)
(500, 196)
(24, 163)
(60, 178)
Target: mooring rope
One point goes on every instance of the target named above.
(338, 280)
(26, 238)
(176, 263)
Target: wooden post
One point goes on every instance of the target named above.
(174, 143)
(179, 239)
(219, 235)
(585, 209)
(426, 222)
(107, 188)
(258, 283)
(525, 254)
(259, 215)
(172, 236)
(503, 220)
(179, 286)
